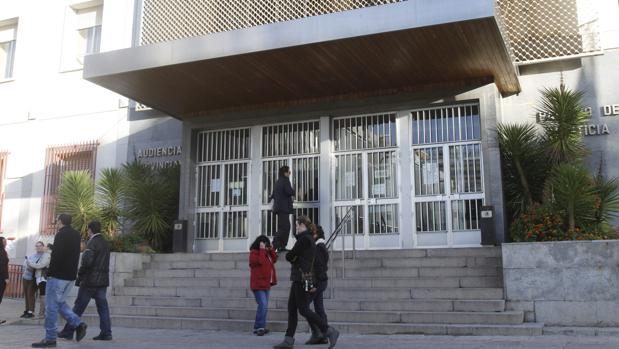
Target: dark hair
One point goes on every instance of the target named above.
(256, 244)
(283, 170)
(2, 240)
(65, 219)
(40, 242)
(320, 234)
(50, 247)
(308, 223)
(95, 227)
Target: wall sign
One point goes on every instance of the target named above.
(610, 110)
(160, 157)
(595, 130)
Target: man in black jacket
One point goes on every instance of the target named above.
(60, 278)
(283, 195)
(93, 279)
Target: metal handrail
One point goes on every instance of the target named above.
(330, 242)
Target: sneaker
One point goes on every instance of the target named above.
(23, 315)
(102, 337)
(44, 344)
(80, 331)
(28, 315)
(260, 332)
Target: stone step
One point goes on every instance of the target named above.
(351, 305)
(465, 282)
(396, 253)
(284, 273)
(358, 263)
(348, 293)
(499, 318)
(246, 326)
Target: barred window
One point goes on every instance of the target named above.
(58, 160)
(465, 214)
(431, 216)
(446, 124)
(291, 139)
(365, 132)
(223, 145)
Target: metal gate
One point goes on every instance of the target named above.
(222, 185)
(448, 175)
(365, 173)
(296, 145)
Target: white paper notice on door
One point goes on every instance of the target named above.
(215, 185)
(379, 189)
(350, 179)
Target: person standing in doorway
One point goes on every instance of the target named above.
(34, 280)
(4, 270)
(262, 260)
(301, 258)
(61, 276)
(93, 280)
(321, 262)
(282, 197)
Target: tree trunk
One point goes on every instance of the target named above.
(524, 182)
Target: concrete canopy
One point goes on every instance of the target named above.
(380, 49)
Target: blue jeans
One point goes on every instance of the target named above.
(262, 298)
(56, 292)
(84, 295)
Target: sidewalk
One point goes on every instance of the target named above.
(13, 336)
(18, 336)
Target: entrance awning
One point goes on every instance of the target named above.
(380, 49)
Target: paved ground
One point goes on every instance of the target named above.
(16, 336)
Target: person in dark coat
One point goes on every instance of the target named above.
(262, 261)
(282, 197)
(4, 269)
(93, 279)
(60, 279)
(321, 262)
(301, 258)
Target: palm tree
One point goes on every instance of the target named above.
(152, 201)
(563, 118)
(524, 166)
(573, 192)
(76, 197)
(110, 199)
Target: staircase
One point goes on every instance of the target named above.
(434, 291)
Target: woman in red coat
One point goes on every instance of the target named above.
(262, 260)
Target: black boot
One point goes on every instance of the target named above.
(332, 334)
(44, 344)
(288, 343)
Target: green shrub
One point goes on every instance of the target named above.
(131, 243)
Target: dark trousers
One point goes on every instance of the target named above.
(29, 294)
(283, 231)
(84, 295)
(298, 301)
(319, 306)
(2, 288)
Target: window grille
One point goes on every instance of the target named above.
(465, 168)
(235, 225)
(382, 175)
(269, 219)
(383, 219)
(348, 177)
(207, 225)
(58, 160)
(166, 20)
(429, 171)
(365, 132)
(465, 214)
(291, 139)
(430, 217)
(223, 145)
(446, 124)
(356, 222)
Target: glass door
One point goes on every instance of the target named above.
(447, 176)
(365, 176)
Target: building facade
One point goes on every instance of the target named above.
(385, 109)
